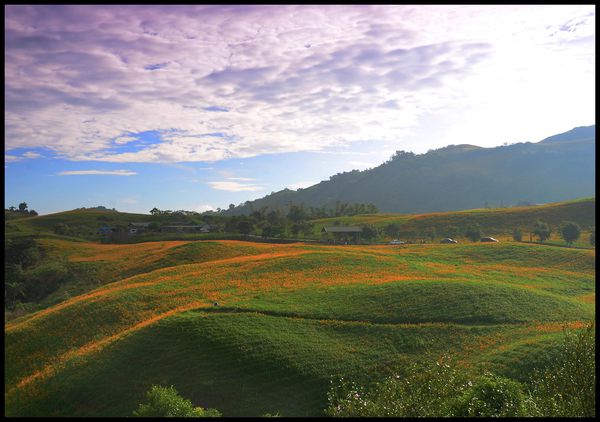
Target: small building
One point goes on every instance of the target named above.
(342, 233)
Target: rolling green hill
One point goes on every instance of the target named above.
(289, 318)
(499, 222)
(459, 177)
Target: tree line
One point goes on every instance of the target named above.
(22, 208)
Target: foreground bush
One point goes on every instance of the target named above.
(425, 391)
(491, 396)
(166, 402)
(566, 387)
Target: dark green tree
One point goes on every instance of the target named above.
(392, 229)
(473, 232)
(23, 206)
(296, 214)
(541, 230)
(570, 232)
(166, 402)
(369, 232)
(155, 211)
(245, 226)
(517, 234)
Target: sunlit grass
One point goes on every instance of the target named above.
(288, 318)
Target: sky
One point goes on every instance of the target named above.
(195, 107)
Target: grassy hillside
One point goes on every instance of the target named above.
(499, 222)
(289, 317)
(83, 224)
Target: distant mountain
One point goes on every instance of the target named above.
(459, 177)
(577, 134)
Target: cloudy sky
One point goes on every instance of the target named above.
(196, 107)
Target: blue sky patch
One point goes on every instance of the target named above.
(216, 108)
(156, 66)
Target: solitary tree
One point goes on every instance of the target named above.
(517, 234)
(570, 231)
(154, 211)
(473, 232)
(23, 206)
(542, 230)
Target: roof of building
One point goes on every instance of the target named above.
(347, 229)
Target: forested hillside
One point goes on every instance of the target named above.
(459, 177)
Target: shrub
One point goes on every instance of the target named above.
(166, 402)
(491, 396)
(40, 281)
(425, 391)
(62, 229)
(567, 387)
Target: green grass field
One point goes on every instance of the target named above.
(289, 319)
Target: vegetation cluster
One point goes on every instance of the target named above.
(565, 387)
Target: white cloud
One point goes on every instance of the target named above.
(97, 172)
(31, 154)
(84, 80)
(234, 186)
(242, 179)
(11, 158)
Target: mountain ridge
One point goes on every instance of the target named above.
(455, 177)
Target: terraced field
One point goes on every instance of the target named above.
(288, 319)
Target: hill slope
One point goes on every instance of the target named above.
(289, 318)
(499, 222)
(458, 177)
